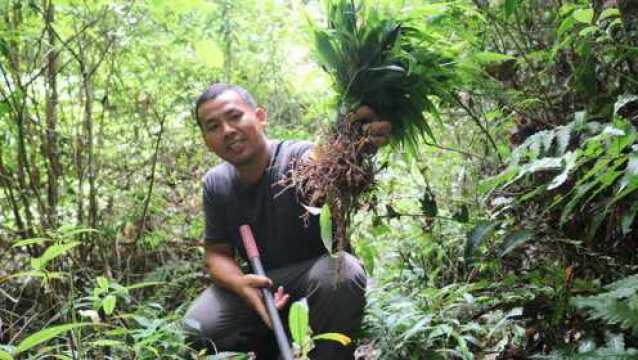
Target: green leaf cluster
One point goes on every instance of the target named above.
(385, 63)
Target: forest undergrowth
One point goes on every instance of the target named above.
(510, 233)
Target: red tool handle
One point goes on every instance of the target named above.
(249, 241)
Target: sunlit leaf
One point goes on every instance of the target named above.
(298, 321)
(102, 282)
(610, 12)
(108, 304)
(32, 241)
(51, 253)
(486, 57)
(340, 338)
(584, 15)
(5, 355)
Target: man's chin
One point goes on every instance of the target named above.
(239, 160)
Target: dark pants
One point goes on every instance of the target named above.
(220, 320)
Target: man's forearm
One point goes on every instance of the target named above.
(224, 269)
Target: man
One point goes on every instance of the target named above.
(245, 189)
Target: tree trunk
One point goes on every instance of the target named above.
(53, 166)
(21, 154)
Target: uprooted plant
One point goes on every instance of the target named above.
(377, 61)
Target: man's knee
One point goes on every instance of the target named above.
(220, 320)
(338, 275)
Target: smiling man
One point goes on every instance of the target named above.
(245, 189)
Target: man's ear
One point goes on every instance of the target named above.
(262, 117)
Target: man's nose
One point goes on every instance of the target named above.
(228, 130)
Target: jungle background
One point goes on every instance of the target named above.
(511, 234)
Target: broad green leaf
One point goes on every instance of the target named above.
(513, 240)
(584, 15)
(5, 355)
(298, 321)
(45, 335)
(102, 282)
(108, 304)
(325, 223)
(340, 338)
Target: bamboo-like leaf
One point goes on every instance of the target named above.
(45, 335)
(487, 57)
(51, 253)
(32, 241)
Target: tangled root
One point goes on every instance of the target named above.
(340, 171)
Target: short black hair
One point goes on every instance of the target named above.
(217, 89)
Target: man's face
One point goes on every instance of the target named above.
(231, 129)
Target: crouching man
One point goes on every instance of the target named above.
(245, 189)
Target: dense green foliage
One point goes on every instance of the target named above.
(511, 236)
(384, 62)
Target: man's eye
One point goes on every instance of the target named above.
(213, 127)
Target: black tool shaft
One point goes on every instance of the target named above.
(273, 313)
(253, 255)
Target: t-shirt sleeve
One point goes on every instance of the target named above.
(301, 150)
(213, 229)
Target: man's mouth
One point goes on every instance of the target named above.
(236, 145)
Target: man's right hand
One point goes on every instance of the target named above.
(249, 289)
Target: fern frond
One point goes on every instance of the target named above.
(618, 305)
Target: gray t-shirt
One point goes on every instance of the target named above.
(274, 216)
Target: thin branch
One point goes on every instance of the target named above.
(455, 150)
(480, 125)
(147, 201)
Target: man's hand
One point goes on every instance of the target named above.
(377, 130)
(249, 290)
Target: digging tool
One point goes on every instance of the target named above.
(253, 256)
